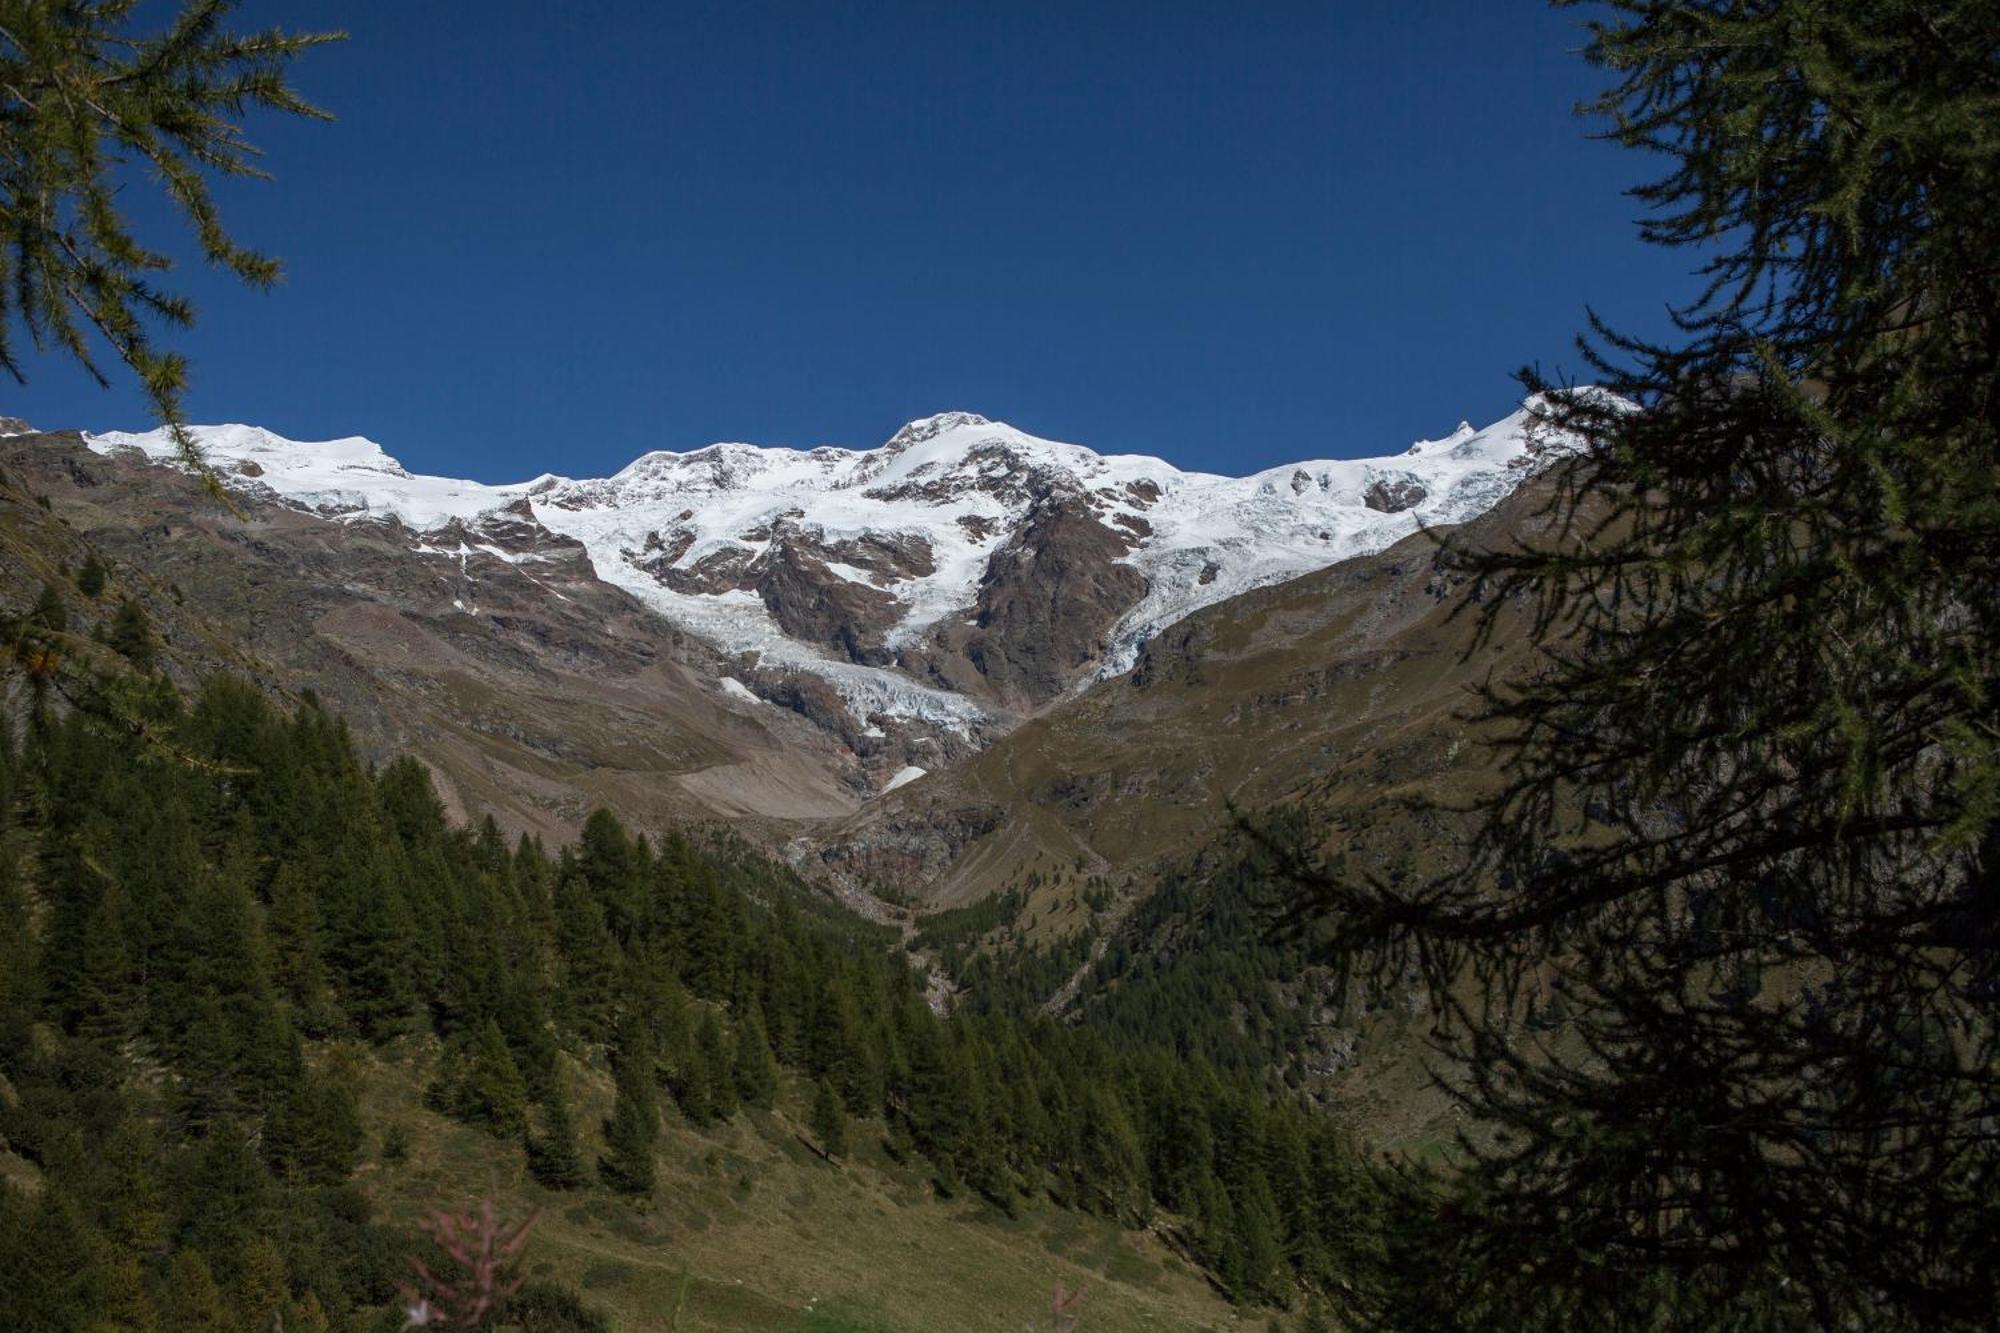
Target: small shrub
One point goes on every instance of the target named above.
(395, 1144)
(545, 1307)
(606, 1273)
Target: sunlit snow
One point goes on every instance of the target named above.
(905, 775)
(956, 485)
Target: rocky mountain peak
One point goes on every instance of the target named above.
(929, 428)
(961, 574)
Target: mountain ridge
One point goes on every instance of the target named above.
(960, 576)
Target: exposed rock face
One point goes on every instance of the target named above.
(1049, 599)
(809, 601)
(1394, 494)
(917, 846)
(1344, 684)
(888, 556)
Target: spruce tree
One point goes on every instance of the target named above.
(90, 577)
(190, 1300)
(314, 1134)
(829, 1120)
(754, 1071)
(1748, 828)
(713, 1068)
(260, 1290)
(634, 1126)
(553, 1156)
(494, 1093)
(131, 635)
(50, 612)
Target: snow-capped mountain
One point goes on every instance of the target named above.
(962, 567)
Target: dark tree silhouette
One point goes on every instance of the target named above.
(1750, 823)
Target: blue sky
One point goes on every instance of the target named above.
(552, 236)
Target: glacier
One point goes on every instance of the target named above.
(957, 483)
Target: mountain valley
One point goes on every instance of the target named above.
(769, 635)
(1003, 696)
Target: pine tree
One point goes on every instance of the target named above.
(371, 936)
(225, 1196)
(132, 1200)
(190, 1299)
(88, 92)
(1748, 826)
(634, 1126)
(293, 927)
(307, 1315)
(754, 1070)
(90, 577)
(687, 1075)
(48, 1256)
(1260, 1263)
(314, 1134)
(713, 1067)
(553, 1156)
(1110, 1160)
(829, 1120)
(606, 863)
(185, 913)
(131, 635)
(260, 1290)
(20, 961)
(589, 957)
(494, 1092)
(50, 611)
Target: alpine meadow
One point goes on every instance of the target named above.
(1259, 874)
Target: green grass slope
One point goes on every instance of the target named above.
(749, 1229)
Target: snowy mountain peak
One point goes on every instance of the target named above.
(962, 566)
(929, 428)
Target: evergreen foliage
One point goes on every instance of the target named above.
(829, 1120)
(1751, 824)
(81, 92)
(634, 1127)
(543, 1307)
(91, 576)
(495, 1092)
(553, 1155)
(755, 1071)
(214, 927)
(130, 635)
(1195, 968)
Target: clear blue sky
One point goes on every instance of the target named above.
(551, 236)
